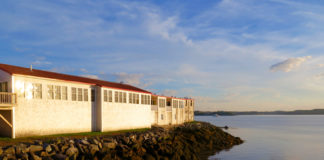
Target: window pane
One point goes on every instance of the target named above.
(124, 97)
(105, 95)
(142, 99)
(57, 92)
(64, 93)
(80, 95)
(137, 98)
(37, 91)
(73, 91)
(110, 96)
(50, 92)
(85, 94)
(120, 97)
(93, 95)
(116, 96)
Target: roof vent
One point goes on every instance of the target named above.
(31, 67)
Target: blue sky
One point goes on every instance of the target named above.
(227, 54)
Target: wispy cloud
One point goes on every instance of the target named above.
(289, 64)
(221, 51)
(90, 76)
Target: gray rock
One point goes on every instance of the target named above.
(24, 156)
(72, 151)
(55, 147)
(95, 141)
(100, 145)
(35, 148)
(10, 150)
(21, 148)
(9, 157)
(108, 140)
(44, 154)
(71, 141)
(48, 149)
(85, 142)
(63, 148)
(60, 157)
(93, 148)
(35, 157)
(38, 142)
(110, 145)
(125, 140)
(80, 147)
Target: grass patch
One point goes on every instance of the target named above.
(71, 135)
(193, 122)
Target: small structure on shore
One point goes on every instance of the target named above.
(35, 102)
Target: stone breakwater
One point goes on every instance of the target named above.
(188, 141)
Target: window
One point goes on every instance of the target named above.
(80, 95)
(161, 116)
(105, 95)
(143, 99)
(124, 97)
(134, 98)
(85, 94)
(148, 99)
(175, 116)
(110, 96)
(37, 91)
(137, 98)
(116, 96)
(74, 94)
(50, 92)
(57, 92)
(120, 97)
(181, 104)
(175, 103)
(93, 95)
(161, 102)
(4, 87)
(130, 98)
(64, 93)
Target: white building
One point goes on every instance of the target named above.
(36, 102)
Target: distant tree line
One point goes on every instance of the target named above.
(233, 113)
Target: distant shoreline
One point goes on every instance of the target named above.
(236, 113)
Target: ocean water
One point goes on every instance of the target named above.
(275, 137)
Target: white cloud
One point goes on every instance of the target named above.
(169, 92)
(166, 28)
(84, 70)
(90, 76)
(41, 61)
(289, 64)
(132, 79)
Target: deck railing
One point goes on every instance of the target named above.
(8, 99)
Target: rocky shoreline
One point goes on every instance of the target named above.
(192, 141)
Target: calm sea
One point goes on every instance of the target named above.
(273, 137)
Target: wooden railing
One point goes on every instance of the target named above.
(8, 99)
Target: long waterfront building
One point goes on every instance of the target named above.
(35, 102)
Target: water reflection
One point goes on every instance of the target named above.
(273, 137)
